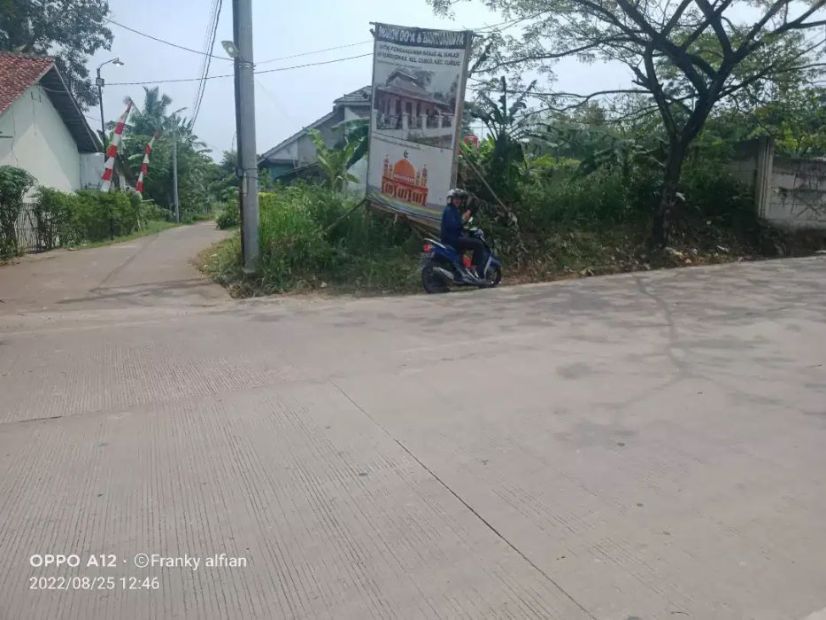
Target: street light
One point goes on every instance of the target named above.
(230, 48)
(100, 82)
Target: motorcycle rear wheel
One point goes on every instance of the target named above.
(432, 282)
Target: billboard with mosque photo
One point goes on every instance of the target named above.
(418, 93)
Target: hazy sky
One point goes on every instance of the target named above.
(285, 101)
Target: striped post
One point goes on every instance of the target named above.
(112, 151)
(145, 165)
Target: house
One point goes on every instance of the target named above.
(296, 155)
(42, 127)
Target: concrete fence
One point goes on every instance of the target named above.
(788, 192)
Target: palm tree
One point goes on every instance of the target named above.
(153, 116)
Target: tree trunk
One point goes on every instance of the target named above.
(668, 196)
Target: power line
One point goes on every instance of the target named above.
(212, 30)
(164, 41)
(326, 49)
(504, 26)
(226, 75)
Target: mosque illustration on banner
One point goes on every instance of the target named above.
(403, 182)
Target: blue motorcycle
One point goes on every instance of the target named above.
(443, 267)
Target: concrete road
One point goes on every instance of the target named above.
(644, 446)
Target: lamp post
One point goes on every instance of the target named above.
(100, 83)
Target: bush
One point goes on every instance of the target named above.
(89, 216)
(311, 237)
(98, 216)
(14, 183)
(229, 215)
(149, 211)
(53, 211)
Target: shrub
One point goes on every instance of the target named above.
(98, 216)
(14, 183)
(53, 217)
(310, 236)
(229, 215)
(149, 211)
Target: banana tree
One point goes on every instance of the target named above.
(335, 162)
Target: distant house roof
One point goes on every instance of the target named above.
(357, 98)
(19, 72)
(267, 156)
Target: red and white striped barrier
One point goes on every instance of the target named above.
(145, 165)
(112, 151)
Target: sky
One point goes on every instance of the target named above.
(285, 101)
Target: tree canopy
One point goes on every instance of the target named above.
(685, 57)
(198, 175)
(69, 30)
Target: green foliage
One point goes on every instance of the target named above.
(501, 156)
(97, 216)
(229, 215)
(14, 183)
(200, 180)
(69, 31)
(686, 59)
(65, 219)
(334, 162)
(53, 211)
(312, 237)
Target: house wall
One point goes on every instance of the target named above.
(788, 192)
(40, 142)
(91, 170)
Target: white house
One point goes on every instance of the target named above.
(42, 127)
(297, 152)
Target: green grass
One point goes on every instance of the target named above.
(151, 228)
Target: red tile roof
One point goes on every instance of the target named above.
(17, 73)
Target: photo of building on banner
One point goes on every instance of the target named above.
(418, 94)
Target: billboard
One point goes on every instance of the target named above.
(418, 93)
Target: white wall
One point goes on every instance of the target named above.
(40, 143)
(798, 193)
(789, 193)
(91, 170)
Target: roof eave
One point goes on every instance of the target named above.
(69, 110)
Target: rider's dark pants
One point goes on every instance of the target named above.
(465, 244)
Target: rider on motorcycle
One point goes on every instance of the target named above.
(453, 233)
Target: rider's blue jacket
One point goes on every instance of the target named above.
(452, 225)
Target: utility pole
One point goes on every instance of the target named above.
(100, 83)
(241, 51)
(175, 176)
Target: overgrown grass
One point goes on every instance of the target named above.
(313, 239)
(571, 225)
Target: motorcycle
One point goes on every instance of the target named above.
(442, 266)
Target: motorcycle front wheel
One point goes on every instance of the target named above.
(432, 282)
(493, 277)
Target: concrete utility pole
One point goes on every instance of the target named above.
(241, 50)
(175, 176)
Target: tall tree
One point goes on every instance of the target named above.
(196, 170)
(686, 56)
(69, 30)
(154, 114)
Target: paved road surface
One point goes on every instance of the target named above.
(643, 446)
